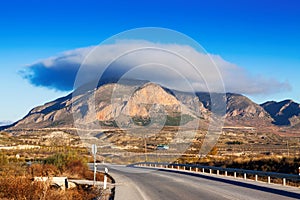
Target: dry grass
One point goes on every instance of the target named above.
(281, 164)
(16, 180)
(18, 187)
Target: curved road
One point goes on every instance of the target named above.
(153, 184)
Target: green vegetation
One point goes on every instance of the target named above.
(62, 160)
(141, 121)
(234, 142)
(108, 123)
(178, 120)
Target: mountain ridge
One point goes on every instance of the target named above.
(138, 98)
(284, 113)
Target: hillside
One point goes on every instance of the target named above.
(140, 102)
(284, 113)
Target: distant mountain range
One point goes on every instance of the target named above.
(5, 123)
(284, 113)
(141, 102)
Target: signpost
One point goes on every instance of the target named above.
(94, 152)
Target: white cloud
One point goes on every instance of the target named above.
(176, 66)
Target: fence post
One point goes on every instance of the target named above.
(245, 176)
(210, 171)
(218, 172)
(284, 181)
(202, 170)
(256, 177)
(196, 169)
(269, 179)
(234, 174)
(225, 173)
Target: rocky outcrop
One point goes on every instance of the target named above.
(284, 113)
(239, 105)
(143, 100)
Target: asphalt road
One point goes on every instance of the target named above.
(153, 184)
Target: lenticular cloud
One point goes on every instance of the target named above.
(59, 72)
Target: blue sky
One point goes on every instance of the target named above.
(263, 37)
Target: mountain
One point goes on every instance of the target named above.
(141, 102)
(284, 113)
(56, 113)
(112, 101)
(241, 110)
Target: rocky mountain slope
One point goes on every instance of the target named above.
(284, 113)
(140, 103)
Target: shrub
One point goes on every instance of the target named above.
(61, 161)
(43, 170)
(13, 187)
(3, 159)
(234, 142)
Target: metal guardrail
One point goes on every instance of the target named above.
(217, 170)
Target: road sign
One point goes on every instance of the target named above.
(94, 149)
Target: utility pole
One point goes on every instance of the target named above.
(94, 151)
(146, 158)
(288, 149)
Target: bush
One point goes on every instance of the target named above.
(13, 187)
(43, 170)
(234, 143)
(76, 168)
(16, 178)
(61, 161)
(3, 159)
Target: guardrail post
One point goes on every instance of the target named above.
(219, 171)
